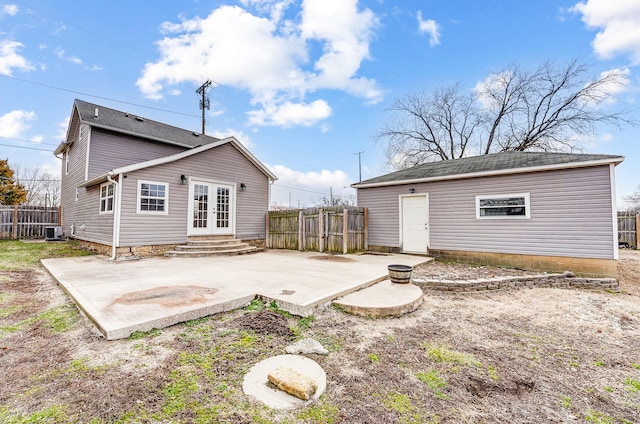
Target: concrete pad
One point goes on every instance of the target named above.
(256, 382)
(382, 299)
(121, 297)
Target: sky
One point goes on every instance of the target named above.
(305, 85)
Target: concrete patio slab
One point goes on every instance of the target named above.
(121, 297)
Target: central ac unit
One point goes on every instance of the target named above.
(53, 233)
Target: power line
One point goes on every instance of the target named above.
(28, 141)
(98, 97)
(37, 180)
(25, 147)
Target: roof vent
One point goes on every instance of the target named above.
(95, 113)
(126, 114)
(196, 134)
(139, 118)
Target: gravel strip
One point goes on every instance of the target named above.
(435, 270)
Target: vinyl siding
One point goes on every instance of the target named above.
(224, 164)
(110, 150)
(571, 214)
(84, 213)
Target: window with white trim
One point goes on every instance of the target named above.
(66, 162)
(153, 197)
(106, 197)
(503, 206)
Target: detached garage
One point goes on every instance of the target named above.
(533, 210)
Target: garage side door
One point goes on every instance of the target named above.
(415, 223)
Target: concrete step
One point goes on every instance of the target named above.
(211, 237)
(211, 247)
(197, 253)
(213, 242)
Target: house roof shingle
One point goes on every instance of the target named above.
(497, 163)
(116, 120)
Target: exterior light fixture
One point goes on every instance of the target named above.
(243, 187)
(184, 180)
(412, 190)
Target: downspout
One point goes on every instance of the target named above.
(116, 205)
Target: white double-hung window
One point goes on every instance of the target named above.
(503, 206)
(153, 197)
(106, 198)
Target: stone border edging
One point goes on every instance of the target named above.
(562, 281)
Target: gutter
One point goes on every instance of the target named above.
(116, 215)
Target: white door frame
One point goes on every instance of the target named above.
(401, 221)
(211, 228)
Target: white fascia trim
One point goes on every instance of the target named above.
(614, 212)
(570, 165)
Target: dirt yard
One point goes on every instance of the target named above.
(515, 356)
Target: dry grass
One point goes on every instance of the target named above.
(518, 356)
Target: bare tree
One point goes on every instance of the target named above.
(43, 188)
(430, 126)
(336, 201)
(550, 108)
(634, 201)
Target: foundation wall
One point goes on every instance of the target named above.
(121, 252)
(259, 243)
(383, 249)
(583, 267)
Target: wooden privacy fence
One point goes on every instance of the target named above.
(628, 230)
(27, 222)
(336, 229)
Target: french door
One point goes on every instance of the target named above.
(211, 208)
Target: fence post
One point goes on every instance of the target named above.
(366, 229)
(637, 231)
(300, 230)
(15, 222)
(266, 227)
(345, 231)
(320, 232)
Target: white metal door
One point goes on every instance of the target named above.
(415, 223)
(211, 208)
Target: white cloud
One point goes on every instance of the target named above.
(622, 82)
(289, 114)
(73, 59)
(10, 59)
(9, 9)
(274, 59)
(308, 188)
(619, 25)
(230, 132)
(61, 135)
(13, 124)
(274, 8)
(37, 138)
(431, 27)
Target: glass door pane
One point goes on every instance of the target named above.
(223, 208)
(200, 205)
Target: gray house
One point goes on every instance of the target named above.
(135, 186)
(533, 210)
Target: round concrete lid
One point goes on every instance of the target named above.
(256, 382)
